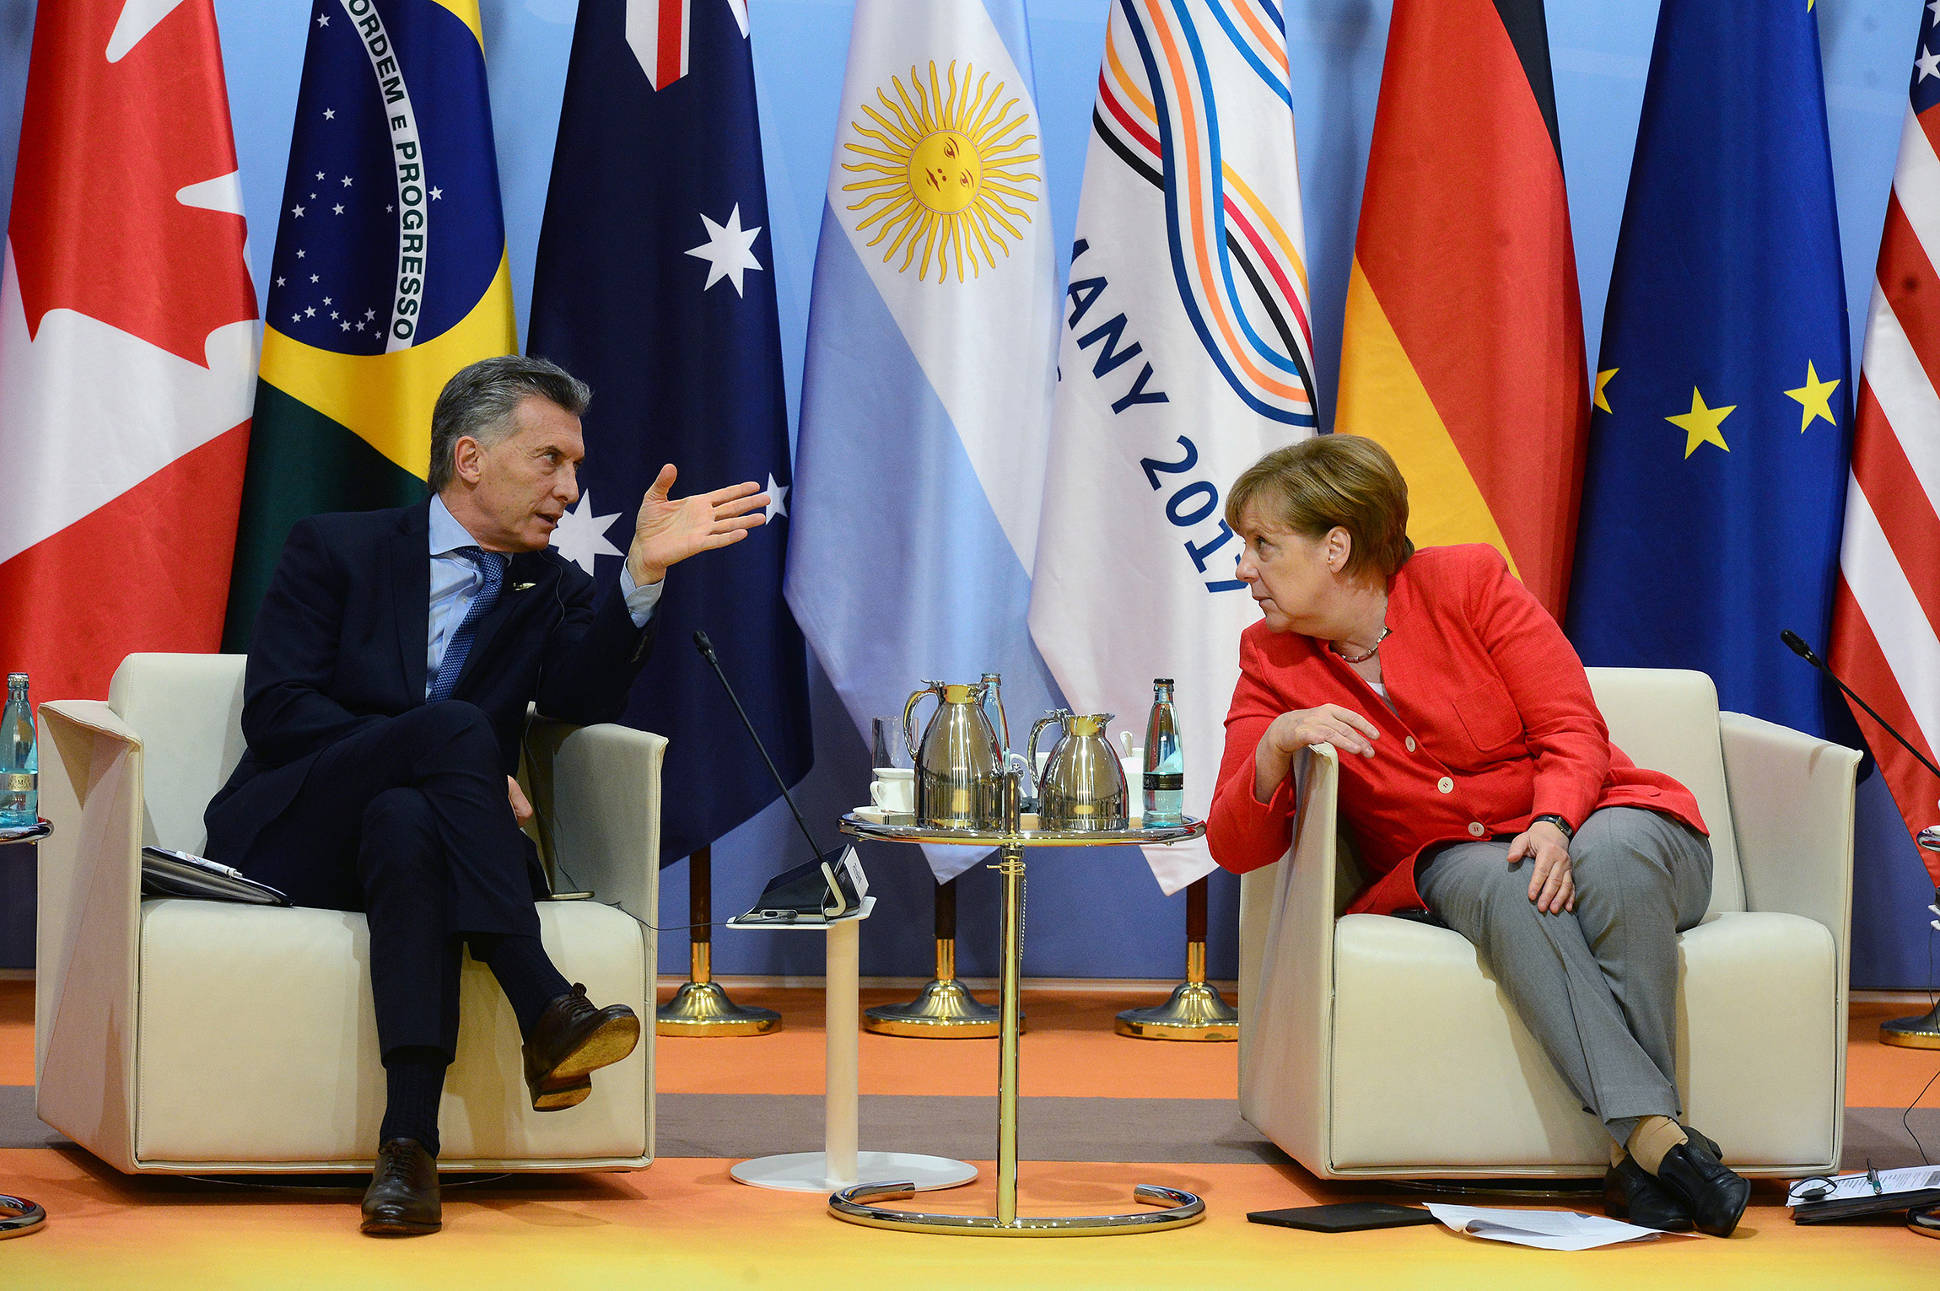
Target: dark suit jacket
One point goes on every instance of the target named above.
(340, 644)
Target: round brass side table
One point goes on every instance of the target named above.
(18, 1215)
(1171, 1207)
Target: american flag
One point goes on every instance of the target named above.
(1886, 609)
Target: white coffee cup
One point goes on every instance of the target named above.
(1133, 764)
(894, 790)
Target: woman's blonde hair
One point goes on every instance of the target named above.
(1316, 484)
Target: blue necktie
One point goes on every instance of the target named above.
(492, 565)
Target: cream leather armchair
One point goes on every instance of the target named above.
(176, 1035)
(1373, 1046)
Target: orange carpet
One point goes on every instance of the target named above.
(684, 1223)
(1883, 1075)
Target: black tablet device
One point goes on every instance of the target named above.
(1343, 1217)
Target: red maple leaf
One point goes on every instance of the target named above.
(104, 148)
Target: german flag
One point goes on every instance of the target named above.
(389, 273)
(1462, 349)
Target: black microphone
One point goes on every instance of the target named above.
(1797, 646)
(706, 647)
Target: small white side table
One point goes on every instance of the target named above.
(840, 1164)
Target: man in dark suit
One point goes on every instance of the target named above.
(385, 697)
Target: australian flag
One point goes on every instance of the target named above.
(1716, 475)
(654, 285)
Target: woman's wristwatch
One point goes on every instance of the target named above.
(1569, 834)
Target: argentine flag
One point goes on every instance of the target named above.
(927, 391)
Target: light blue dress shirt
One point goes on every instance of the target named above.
(456, 579)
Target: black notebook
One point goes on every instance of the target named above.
(1827, 1200)
(169, 873)
(1343, 1217)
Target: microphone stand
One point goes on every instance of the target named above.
(1923, 1030)
(701, 1007)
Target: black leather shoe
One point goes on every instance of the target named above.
(1715, 1195)
(402, 1200)
(571, 1040)
(1631, 1194)
(1704, 1141)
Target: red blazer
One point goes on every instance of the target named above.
(1492, 724)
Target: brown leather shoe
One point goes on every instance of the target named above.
(402, 1200)
(571, 1040)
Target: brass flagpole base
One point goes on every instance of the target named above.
(1195, 1011)
(1922, 1032)
(700, 1007)
(944, 1009)
(704, 1009)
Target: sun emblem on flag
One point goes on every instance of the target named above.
(944, 172)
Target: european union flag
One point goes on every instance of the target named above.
(1716, 476)
(654, 284)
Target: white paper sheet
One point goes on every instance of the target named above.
(1549, 1230)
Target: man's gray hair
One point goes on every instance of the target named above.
(479, 400)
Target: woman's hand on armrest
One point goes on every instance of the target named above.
(1292, 731)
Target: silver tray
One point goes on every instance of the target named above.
(902, 828)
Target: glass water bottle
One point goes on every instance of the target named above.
(19, 762)
(1165, 765)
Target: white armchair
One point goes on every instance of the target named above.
(1373, 1046)
(175, 1035)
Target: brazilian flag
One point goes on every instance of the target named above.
(389, 274)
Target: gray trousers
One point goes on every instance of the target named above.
(1596, 986)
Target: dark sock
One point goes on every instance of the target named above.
(524, 973)
(414, 1078)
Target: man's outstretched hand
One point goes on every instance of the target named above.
(670, 529)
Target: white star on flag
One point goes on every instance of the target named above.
(777, 499)
(581, 535)
(728, 249)
(1928, 63)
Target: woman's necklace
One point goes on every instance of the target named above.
(1367, 654)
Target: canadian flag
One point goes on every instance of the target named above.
(128, 344)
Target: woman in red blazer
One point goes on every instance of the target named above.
(1480, 783)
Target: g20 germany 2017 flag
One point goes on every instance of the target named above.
(1717, 466)
(1462, 350)
(1186, 355)
(389, 272)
